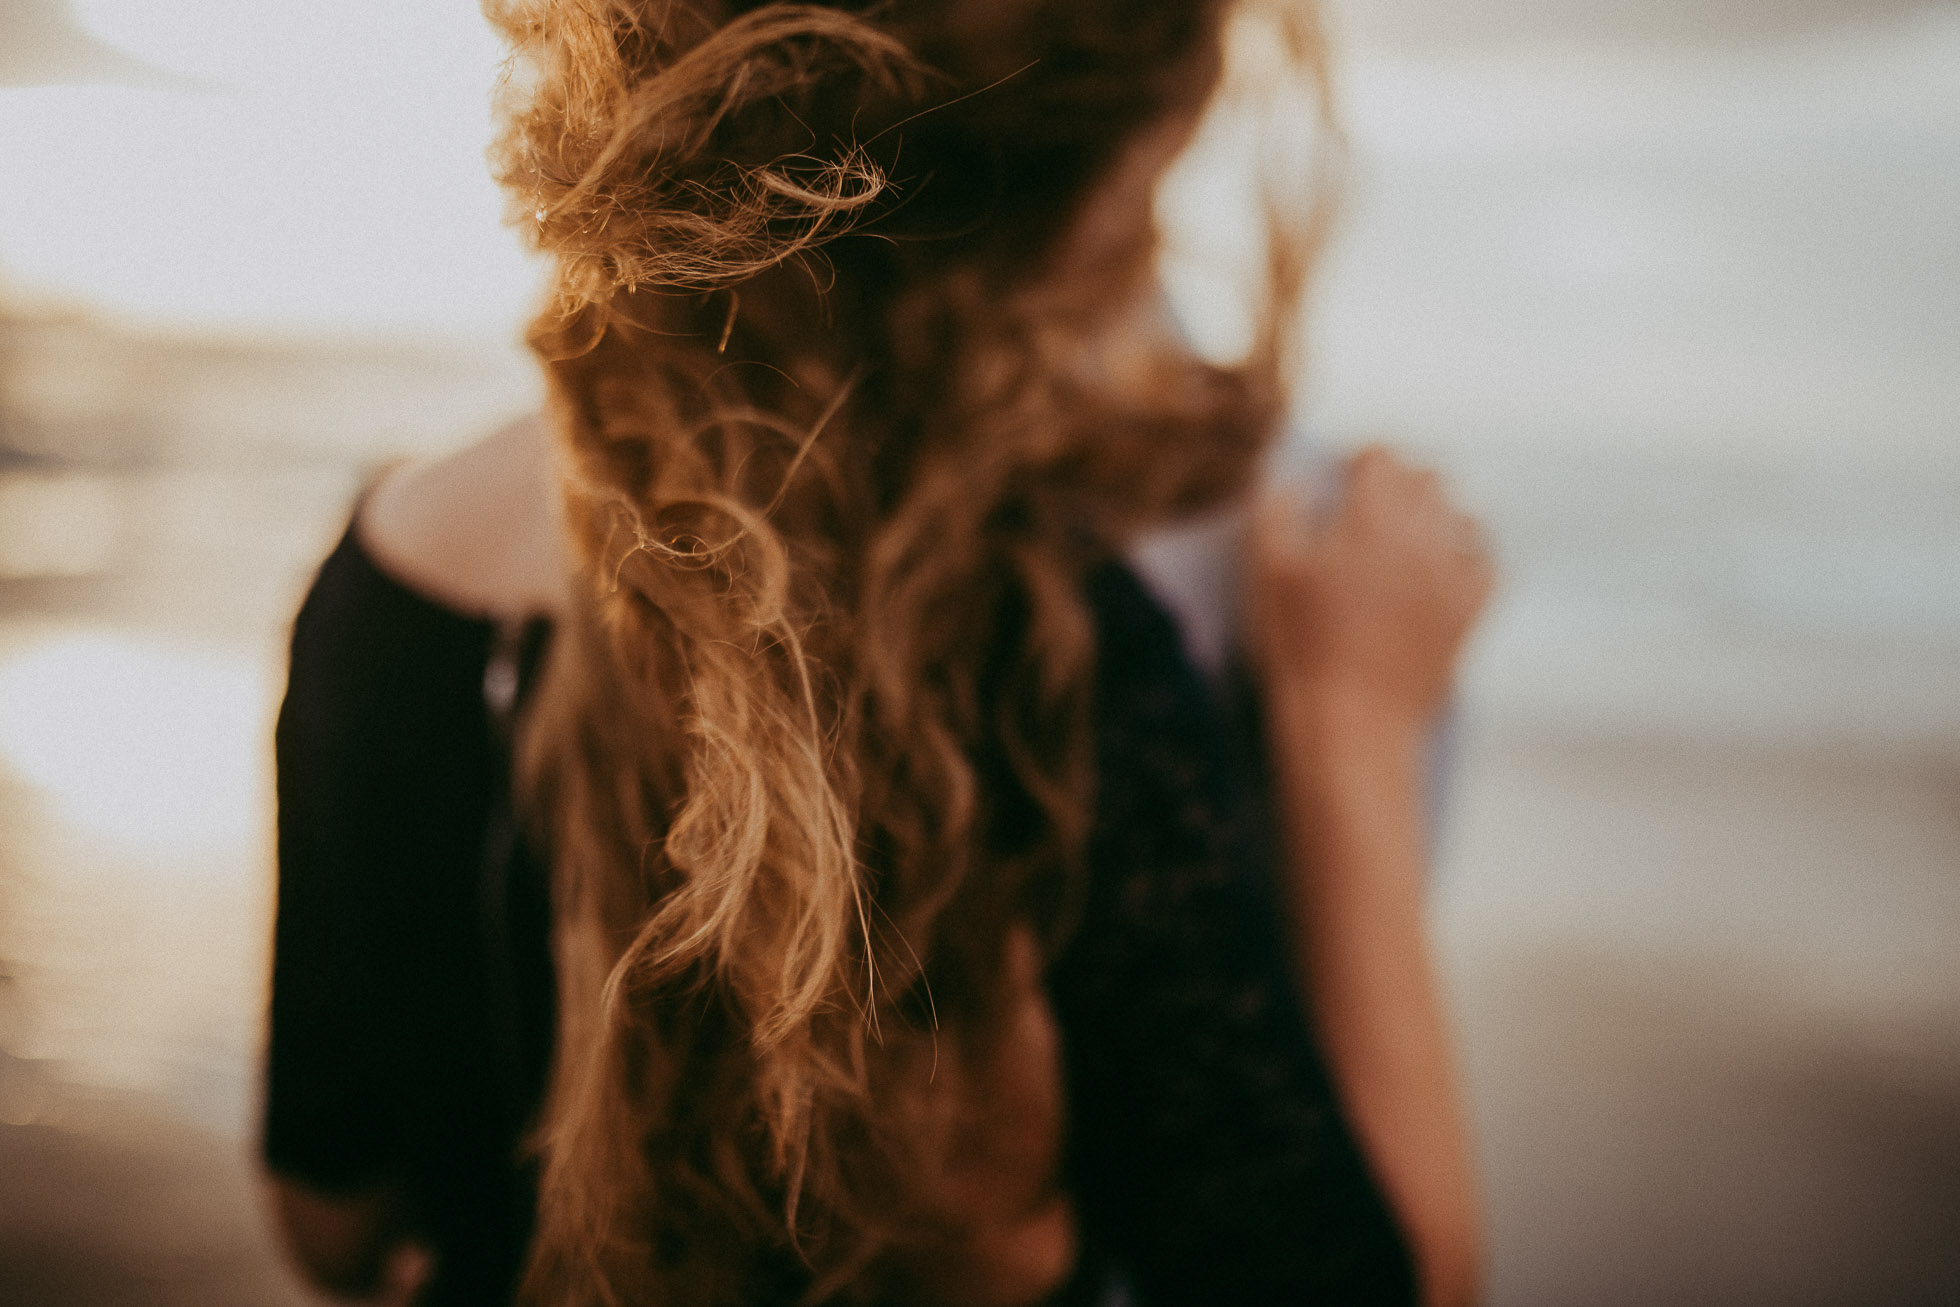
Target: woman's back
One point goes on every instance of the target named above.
(1206, 1157)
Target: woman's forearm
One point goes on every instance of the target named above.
(1356, 619)
(1350, 782)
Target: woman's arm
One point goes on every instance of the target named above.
(1357, 623)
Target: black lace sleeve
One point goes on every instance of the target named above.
(1210, 1155)
(389, 1054)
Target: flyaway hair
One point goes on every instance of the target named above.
(856, 367)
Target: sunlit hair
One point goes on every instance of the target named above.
(857, 366)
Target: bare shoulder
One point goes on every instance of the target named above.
(476, 530)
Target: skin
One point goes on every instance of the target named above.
(477, 530)
(352, 1245)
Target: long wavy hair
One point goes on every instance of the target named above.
(855, 363)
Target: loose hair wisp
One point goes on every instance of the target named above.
(844, 365)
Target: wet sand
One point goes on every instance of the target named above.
(118, 1203)
(1709, 1003)
(1709, 1006)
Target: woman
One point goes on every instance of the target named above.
(922, 926)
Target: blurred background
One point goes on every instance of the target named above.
(1671, 290)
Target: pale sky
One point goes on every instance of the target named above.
(319, 166)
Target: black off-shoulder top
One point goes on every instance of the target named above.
(412, 985)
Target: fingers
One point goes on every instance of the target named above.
(1378, 472)
(1384, 489)
(1382, 494)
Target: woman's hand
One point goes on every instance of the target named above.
(353, 1245)
(1362, 615)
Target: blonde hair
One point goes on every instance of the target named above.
(842, 426)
